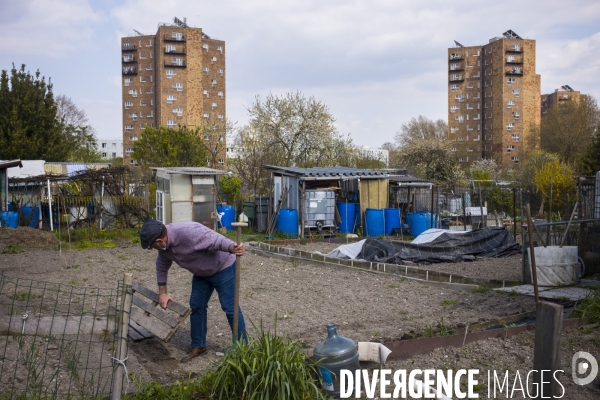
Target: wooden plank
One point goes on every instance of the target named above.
(157, 312)
(153, 325)
(135, 336)
(172, 305)
(183, 318)
(141, 330)
(546, 353)
(57, 325)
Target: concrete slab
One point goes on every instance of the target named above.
(571, 292)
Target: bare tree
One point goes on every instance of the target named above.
(80, 135)
(214, 132)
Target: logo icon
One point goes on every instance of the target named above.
(584, 363)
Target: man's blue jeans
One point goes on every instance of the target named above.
(202, 289)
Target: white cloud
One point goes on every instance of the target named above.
(46, 27)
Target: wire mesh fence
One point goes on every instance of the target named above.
(56, 341)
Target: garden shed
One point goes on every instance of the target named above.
(187, 194)
(314, 192)
(4, 165)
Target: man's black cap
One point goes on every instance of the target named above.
(151, 230)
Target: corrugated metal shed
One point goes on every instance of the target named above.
(326, 173)
(191, 170)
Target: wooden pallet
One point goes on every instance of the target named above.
(148, 320)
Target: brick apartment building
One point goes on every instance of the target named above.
(175, 77)
(493, 99)
(559, 96)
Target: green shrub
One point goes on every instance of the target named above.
(589, 307)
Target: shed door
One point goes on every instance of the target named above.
(203, 192)
(373, 194)
(181, 198)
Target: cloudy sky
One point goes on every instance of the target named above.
(375, 63)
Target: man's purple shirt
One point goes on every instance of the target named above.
(194, 247)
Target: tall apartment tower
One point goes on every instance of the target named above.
(175, 77)
(559, 96)
(493, 99)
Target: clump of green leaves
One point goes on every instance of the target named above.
(446, 303)
(440, 330)
(589, 307)
(480, 289)
(12, 249)
(268, 367)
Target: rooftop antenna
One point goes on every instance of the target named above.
(510, 34)
(138, 33)
(458, 44)
(179, 22)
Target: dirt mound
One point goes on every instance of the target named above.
(25, 237)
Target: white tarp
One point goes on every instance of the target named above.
(431, 234)
(350, 250)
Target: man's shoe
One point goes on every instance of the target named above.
(195, 352)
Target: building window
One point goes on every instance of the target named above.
(170, 48)
(213, 60)
(206, 115)
(515, 114)
(220, 71)
(205, 92)
(128, 81)
(133, 93)
(128, 57)
(220, 116)
(133, 116)
(455, 149)
(178, 111)
(516, 47)
(510, 148)
(213, 82)
(515, 137)
(103, 145)
(459, 118)
(516, 70)
(128, 151)
(454, 108)
(205, 69)
(128, 127)
(178, 86)
(221, 161)
(510, 81)
(454, 56)
(177, 35)
(214, 105)
(455, 77)
(453, 129)
(128, 104)
(220, 94)
(460, 159)
(510, 103)
(453, 87)
(171, 73)
(171, 123)
(133, 138)
(177, 61)
(454, 66)
(205, 46)
(510, 59)
(171, 98)
(459, 97)
(516, 92)
(515, 159)
(220, 49)
(103, 155)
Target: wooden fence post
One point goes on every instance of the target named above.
(546, 355)
(119, 360)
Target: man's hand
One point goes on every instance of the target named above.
(164, 297)
(237, 249)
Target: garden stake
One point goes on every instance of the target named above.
(236, 294)
(532, 254)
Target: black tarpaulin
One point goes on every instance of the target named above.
(448, 247)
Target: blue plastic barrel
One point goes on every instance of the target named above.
(417, 222)
(392, 220)
(287, 222)
(358, 219)
(428, 221)
(347, 213)
(227, 214)
(9, 219)
(31, 220)
(374, 222)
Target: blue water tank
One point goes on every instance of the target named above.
(287, 222)
(347, 213)
(392, 220)
(429, 223)
(9, 219)
(417, 223)
(227, 214)
(374, 222)
(26, 214)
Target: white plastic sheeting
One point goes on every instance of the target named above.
(555, 266)
(350, 250)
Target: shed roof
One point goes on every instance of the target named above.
(327, 172)
(11, 163)
(191, 170)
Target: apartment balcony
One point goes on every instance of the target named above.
(129, 60)
(130, 71)
(459, 78)
(459, 58)
(168, 38)
(182, 51)
(130, 47)
(514, 72)
(175, 65)
(514, 62)
(511, 50)
(457, 69)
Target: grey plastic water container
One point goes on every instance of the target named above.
(335, 353)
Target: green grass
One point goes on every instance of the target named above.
(23, 296)
(12, 249)
(589, 307)
(480, 289)
(440, 329)
(89, 233)
(446, 303)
